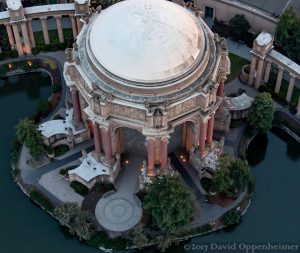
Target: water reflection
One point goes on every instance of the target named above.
(257, 149)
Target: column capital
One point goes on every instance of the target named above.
(292, 75)
(57, 16)
(280, 68)
(268, 60)
(43, 18)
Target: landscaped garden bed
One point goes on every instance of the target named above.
(61, 150)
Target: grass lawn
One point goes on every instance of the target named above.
(236, 66)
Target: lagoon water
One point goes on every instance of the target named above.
(273, 215)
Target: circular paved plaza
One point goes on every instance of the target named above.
(118, 213)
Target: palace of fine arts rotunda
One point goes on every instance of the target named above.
(146, 78)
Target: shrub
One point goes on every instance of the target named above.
(57, 117)
(61, 150)
(238, 28)
(35, 51)
(79, 188)
(43, 106)
(64, 171)
(231, 217)
(41, 199)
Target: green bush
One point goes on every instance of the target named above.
(231, 217)
(43, 106)
(101, 187)
(61, 150)
(57, 116)
(79, 188)
(41, 199)
(64, 171)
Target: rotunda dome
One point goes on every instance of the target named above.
(146, 41)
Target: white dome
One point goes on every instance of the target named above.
(146, 40)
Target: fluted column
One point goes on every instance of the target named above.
(259, 73)
(298, 109)
(279, 79)
(30, 32)
(79, 24)
(106, 144)
(45, 30)
(97, 138)
(290, 88)
(202, 139)
(164, 155)
(76, 106)
(25, 38)
(18, 40)
(10, 36)
(151, 158)
(210, 131)
(252, 70)
(267, 71)
(74, 27)
(220, 91)
(59, 29)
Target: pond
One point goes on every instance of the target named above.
(272, 217)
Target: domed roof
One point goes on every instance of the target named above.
(146, 40)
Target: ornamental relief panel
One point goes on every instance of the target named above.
(129, 112)
(182, 108)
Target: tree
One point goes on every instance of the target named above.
(139, 238)
(170, 202)
(28, 134)
(43, 106)
(238, 27)
(231, 217)
(163, 242)
(262, 112)
(70, 215)
(287, 34)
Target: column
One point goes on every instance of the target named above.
(150, 148)
(25, 37)
(10, 36)
(279, 79)
(220, 91)
(74, 27)
(30, 31)
(298, 109)
(164, 155)
(97, 138)
(107, 144)
(76, 106)
(79, 23)
(252, 70)
(203, 134)
(18, 40)
(291, 87)
(210, 130)
(45, 30)
(267, 71)
(259, 73)
(59, 29)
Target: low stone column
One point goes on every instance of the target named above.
(220, 91)
(60, 29)
(259, 73)
(210, 130)
(252, 70)
(10, 36)
(164, 155)
(298, 109)
(79, 24)
(151, 158)
(279, 79)
(25, 37)
(74, 27)
(267, 71)
(18, 40)
(76, 106)
(97, 138)
(107, 144)
(290, 88)
(30, 32)
(45, 30)
(202, 139)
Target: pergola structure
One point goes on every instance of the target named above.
(148, 65)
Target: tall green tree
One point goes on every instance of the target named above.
(287, 35)
(238, 27)
(69, 214)
(28, 134)
(262, 112)
(170, 202)
(139, 238)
